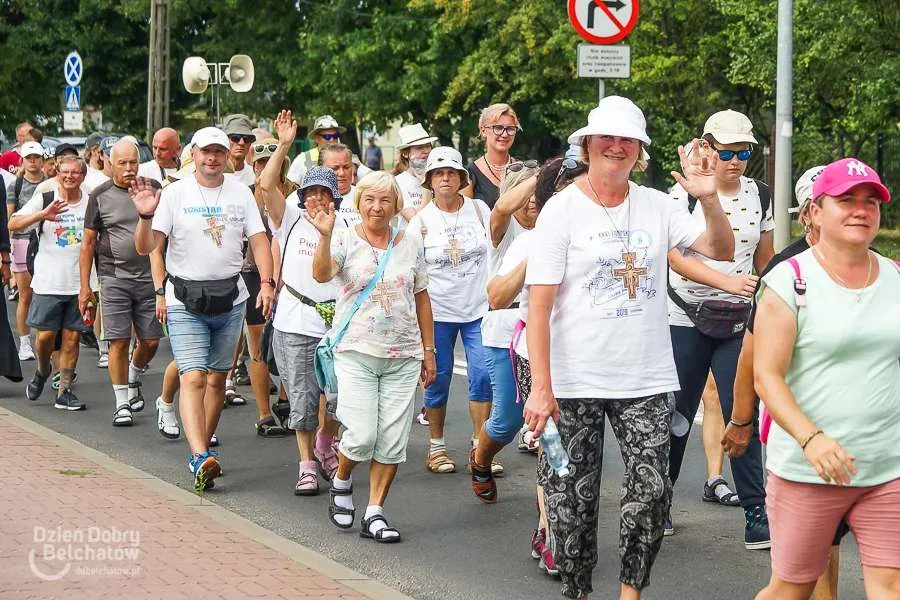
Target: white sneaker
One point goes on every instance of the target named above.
(26, 352)
(103, 361)
(525, 441)
(166, 420)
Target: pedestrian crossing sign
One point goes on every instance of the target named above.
(73, 98)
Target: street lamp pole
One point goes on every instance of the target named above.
(783, 125)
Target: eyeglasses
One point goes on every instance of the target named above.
(518, 166)
(509, 130)
(330, 137)
(260, 148)
(237, 138)
(727, 155)
(568, 164)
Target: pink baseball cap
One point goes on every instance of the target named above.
(845, 174)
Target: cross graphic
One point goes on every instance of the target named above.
(630, 274)
(214, 230)
(454, 251)
(384, 296)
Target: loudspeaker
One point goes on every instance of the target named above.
(239, 73)
(195, 75)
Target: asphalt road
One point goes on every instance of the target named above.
(454, 547)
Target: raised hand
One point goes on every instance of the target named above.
(285, 127)
(145, 198)
(699, 168)
(54, 209)
(324, 220)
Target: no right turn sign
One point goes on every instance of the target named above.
(603, 21)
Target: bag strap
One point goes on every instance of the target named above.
(17, 189)
(363, 295)
(476, 205)
(48, 200)
(765, 197)
(280, 282)
(799, 283)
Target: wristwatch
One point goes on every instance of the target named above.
(161, 291)
(270, 281)
(431, 349)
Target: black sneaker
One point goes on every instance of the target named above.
(89, 340)
(36, 386)
(668, 527)
(68, 401)
(756, 532)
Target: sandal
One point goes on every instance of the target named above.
(123, 417)
(234, 398)
(718, 491)
(328, 462)
(379, 536)
(137, 403)
(282, 412)
(439, 462)
(267, 427)
(483, 485)
(334, 509)
(308, 482)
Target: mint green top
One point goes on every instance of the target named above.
(844, 371)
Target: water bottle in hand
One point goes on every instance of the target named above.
(554, 449)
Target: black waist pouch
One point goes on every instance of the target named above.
(212, 297)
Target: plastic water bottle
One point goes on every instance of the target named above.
(554, 449)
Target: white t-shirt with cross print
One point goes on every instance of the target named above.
(205, 228)
(456, 252)
(609, 327)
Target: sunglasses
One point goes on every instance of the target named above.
(509, 130)
(330, 136)
(260, 148)
(247, 139)
(569, 164)
(518, 166)
(727, 155)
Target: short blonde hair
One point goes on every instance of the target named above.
(492, 114)
(379, 181)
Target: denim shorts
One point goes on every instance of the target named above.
(204, 343)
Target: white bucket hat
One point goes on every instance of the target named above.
(326, 122)
(445, 157)
(617, 116)
(414, 135)
(730, 127)
(803, 191)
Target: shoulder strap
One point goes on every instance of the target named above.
(477, 208)
(363, 295)
(48, 200)
(799, 283)
(765, 198)
(692, 203)
(20, 181)
(678, 300)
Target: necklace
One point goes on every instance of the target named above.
(629, 274)
(452, 250)
(495, 168)
(626, 243)
(859, 291)
(215, 228)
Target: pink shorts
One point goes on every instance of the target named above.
(804, 516)
(19, 255)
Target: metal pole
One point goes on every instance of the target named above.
(601, 88)
(783, 125)
(150, 67)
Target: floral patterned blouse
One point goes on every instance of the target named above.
(385, 326)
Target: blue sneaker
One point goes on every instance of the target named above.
(68, 401)
(205, 467)
(36, 386)
(756, 532)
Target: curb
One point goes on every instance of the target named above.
(368, 587)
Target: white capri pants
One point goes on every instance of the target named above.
(375, 405)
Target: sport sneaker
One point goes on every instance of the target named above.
(205, 467)
(103, 361)
(422, 418)
(241, 376)
(166, 420)
(89, 340)
(547, 562)
(36, 386)
(526, 442)
(13, 294)
(55, 382)
(668, 527)
(756, 532)
(213, 440)
(68, 401)
(538, 538)
(26, 352)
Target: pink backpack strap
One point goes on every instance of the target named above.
(765, 424)
(799, 283)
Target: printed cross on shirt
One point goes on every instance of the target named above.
(214, 230)
(630, 274)
(454, 251)
(385, 296)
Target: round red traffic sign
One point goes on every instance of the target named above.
(603, 21)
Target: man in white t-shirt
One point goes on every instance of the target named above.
(695, 280)
(54, 305)
(166, 148)
(240, 134)
(339, 159)
(204, 219)
(325, 131)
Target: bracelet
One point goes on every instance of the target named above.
(145, 217)
(270, 281)
(809, 438)
(736, 424)
(7, 262)
(431, 349)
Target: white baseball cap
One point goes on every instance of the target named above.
(730, 127)
(803, 191)
(29, 148)
(445, 157)
(414, 135)
(210, 136)
(614, 115)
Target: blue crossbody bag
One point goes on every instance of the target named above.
(324, 360)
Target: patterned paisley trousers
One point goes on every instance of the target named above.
(641, 426)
